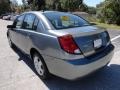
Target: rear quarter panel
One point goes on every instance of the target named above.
(45, 44)
(48, 45)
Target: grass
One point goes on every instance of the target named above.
(93, 19)
(108, 26)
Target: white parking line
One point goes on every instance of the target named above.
(115, 38)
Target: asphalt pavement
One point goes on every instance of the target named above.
(17, 72)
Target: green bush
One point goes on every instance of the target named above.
(91, 18)
(109, 12)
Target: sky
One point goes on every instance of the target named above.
(92, 2)
(88, 2)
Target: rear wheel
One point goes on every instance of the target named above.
(40, 66)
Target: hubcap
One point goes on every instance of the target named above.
(38, 65)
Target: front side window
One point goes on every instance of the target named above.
(28, 21)
(18, 21)
(65, 20)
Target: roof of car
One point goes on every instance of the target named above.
(40, 11)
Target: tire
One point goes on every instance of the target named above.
(10, 42)
(40, 66)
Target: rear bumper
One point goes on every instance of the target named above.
(73, 69)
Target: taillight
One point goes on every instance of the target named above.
(67, 44)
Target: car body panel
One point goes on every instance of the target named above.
(45, 41)
(72, 71)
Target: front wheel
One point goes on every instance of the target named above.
(40, 66)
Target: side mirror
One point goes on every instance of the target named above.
(93, 24)
(10, 26)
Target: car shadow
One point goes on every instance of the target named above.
(106, 79)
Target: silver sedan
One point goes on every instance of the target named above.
(61, 43)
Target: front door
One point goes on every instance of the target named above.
(15, 36)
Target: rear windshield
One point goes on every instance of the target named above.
(65, 20)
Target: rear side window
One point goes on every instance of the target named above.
(28, 21)
(18, 21)
(40, 26)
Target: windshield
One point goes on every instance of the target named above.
(65, 20)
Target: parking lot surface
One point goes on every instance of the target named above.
(17, 72)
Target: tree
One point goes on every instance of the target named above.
(72, 5)
(60, 5)
(109, 11)
(25, 4)
(91, 10)
(57, 5)
(13, 5)
(37, 4)
(5, 6)
(83, 7)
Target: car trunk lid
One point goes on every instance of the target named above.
(90, 39)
